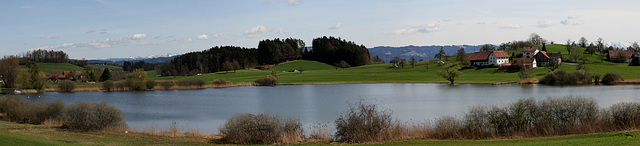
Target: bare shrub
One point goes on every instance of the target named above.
(20, 110)
(66, 86)
(167, 84)
(261, 129)
(266, 81)
(221, 82)
(625, 115)
(85, 116)
(365, 123)
(562, 77)
(610, 77)
(447, 127)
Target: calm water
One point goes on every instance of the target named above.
(207, 109)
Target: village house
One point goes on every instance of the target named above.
(55, 76)
(543, 58)
(622, 56)
(530, 52)
(525, 62)
(492, 58)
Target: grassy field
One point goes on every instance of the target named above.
(48, 67)
(111, 67)
(27, 134)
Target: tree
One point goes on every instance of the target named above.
(635, 46)
(487, 48)
(569, 47)
(236, 65)
(441, 53)
(600, 44)
(395, 59)
(342, 64)
(553, 64)
(108, 85)
(536, 39)
(591, 49)
(413, 61)
(450, 72)
(9, 71)
(526, 73)
(583, 42)
(227, 66)
(106, 75)
(137, 80)
(544, 47)
(460, 55)
(32, 79)
(402, 62)
(66, 86)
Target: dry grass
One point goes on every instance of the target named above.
(528, 81)
(320, 131)
(29, 91)
(174, 130)
(90, 89)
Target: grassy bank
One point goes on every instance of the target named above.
(26, 134)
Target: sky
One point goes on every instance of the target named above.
(99, 29)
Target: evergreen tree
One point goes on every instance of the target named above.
(106, 75)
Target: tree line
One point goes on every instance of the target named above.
(44, 56)
(328, 50)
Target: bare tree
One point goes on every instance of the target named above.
(553, 64)
(536, 39)
(413, 61)
(441, 53)
(487, 48)
(635, 46)
(10, 71)
(568, 45)
(583, 42)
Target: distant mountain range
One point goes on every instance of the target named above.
(148, 59)
(419, 52)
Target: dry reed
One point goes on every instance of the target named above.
(174, 130)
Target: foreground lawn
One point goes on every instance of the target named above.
(26, 134)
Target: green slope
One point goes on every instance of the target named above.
(48, 67)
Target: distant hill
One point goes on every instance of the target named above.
(419, 52)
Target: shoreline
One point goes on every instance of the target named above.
(244, 84)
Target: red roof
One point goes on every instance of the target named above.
(544, 53)
(615, 54)
(479, 56)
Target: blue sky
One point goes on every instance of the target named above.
(95, 29)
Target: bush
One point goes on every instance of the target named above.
(108, 85)
(609, 78)
(262, 129)
(86, 116)
(21, 110)
(150, 84)
(66, 86)
(562, 77)
(167, 84)
(364, 123)
(192, 82)
(447, 127)
(266, 81)
(221, 82)
(136, 84)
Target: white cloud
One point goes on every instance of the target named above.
(147, 44)
(171, 40)
(271, 3)
(481, 23)
(571, 20)
(294, 2)
(220, 35)
(57, 47)
(543, 23)
(256, 31)
(91, 31)
(203, 37)
(43, 37)
(138, 36)
(511, 26)
(54, 37)
(425, 28)
(282, 31)
(186, 41)
(337, 26)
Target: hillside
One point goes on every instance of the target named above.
(48, 67)
(419, 52)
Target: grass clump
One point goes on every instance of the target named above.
(85, 116)
(610, 78)
(150, 84)
(261, 129)
(266, 81)
(221, 82)
(166, 85)
(66, 86)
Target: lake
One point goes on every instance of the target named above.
(208, 109)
